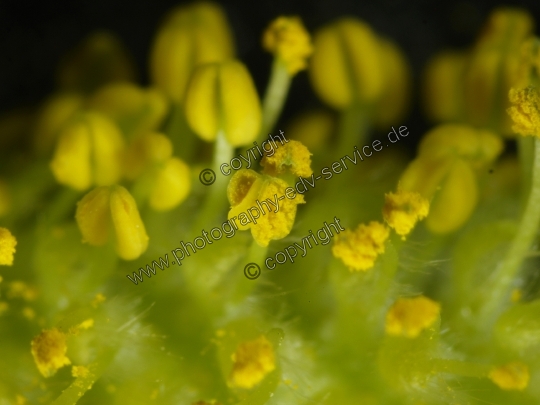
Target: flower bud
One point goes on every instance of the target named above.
(347, 65)
(107, 209)
(89, 151)
(223, 97)
(192, 35)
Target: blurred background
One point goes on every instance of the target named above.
(34, 38)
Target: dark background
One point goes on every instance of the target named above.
(35, 35)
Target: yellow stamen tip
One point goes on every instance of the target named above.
(288, 40)
(253, 360)
(410, 316)
(359, 249)
(525, 111)
(511, 376)
(7, 247)
(403, 209)
(49, 351)
(291, 157)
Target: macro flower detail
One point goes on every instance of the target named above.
(346, 65)
(191, 36)
(7, 247)
(106, 208)
(511, 376)
(525, 111)
(410, 316)
(359, 248)
(172, 185)
(403, 209)
(250, 193)
(221, 97)
(49, 351)
(145, 151)
(292, 157)
(88, 151)
(252, 361)
(287, 38)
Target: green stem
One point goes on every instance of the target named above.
(352, 129)
(526, 155)
(504, 276)
(216, 200)
(274, 98)
(256, 254)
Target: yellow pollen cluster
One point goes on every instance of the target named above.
(253, 360)
(7, 247)
(292, 156)
(525, 111)
(247, 191)
(79, 371)
(410, 316)
(403, 209)
(49, 351)
(359, 249)
(287, 39)
(511, 376)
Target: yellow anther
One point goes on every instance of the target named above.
(135, 110)
(359, 248)
(49, 351)
(54, 114)
(511, 376)
(289, 41)
(89, 151)
(253, 360)
(346, 65)
(112, 207)
(477, 146)
(255, 205)
(410, 316)
(171, 185)
(395, 99)
(7, 247)
(313, 129)
(222, 97)
(403, 209)
(192, 35)
(442, 91)
(525, 111)
(145, 151)
(292, 157)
